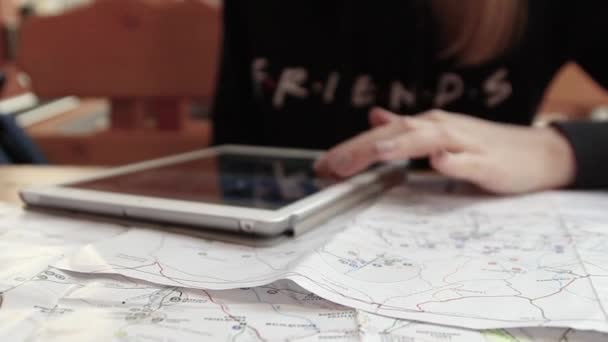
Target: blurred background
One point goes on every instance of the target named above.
(108, 82)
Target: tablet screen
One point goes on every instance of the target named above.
(264, 182)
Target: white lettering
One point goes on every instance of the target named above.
(363, 92)
(400, 96)
(449, 89)
(258, 74)
(290, 83)
(330, 89)
(498, 88)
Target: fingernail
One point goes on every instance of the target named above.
(341, 162)
(385, 146)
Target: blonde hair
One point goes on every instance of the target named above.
(476, 31)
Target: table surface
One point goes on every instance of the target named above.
(12, 178)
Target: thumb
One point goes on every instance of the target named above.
(380, 117)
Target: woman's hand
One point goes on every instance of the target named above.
(500, 158)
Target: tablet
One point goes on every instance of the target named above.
(255, 190)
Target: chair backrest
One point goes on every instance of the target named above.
(124, 49)
(573, 92)
(8, 15)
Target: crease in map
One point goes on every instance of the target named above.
(469, 261)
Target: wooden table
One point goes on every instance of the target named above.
(12, 178)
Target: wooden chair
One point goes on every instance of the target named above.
(151, 58)
(8, 17)
(573, 93)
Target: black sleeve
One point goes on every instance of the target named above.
(586, 44)
(590, 143)
(235, 117)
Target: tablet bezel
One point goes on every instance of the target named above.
(260, 221)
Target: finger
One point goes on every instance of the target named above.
(465, 166)
(415, 144)
(438, 115)
(379, 117)
(360, 152)
(456, 121)
(320, 166)
(324, 172)
(464, 131)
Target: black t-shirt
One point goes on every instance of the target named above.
(305, 74)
